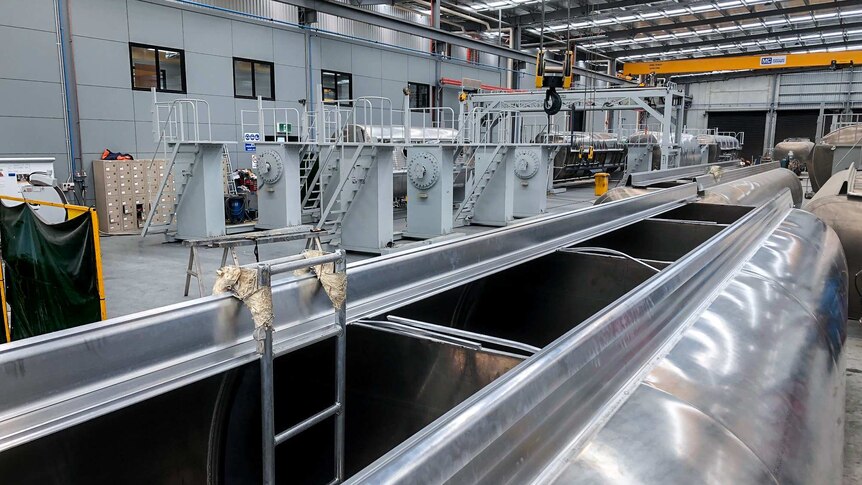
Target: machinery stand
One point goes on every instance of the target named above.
(429, 190)
(532, 170)
(496, 202)
(278, 194)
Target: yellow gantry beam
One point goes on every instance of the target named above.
(740, 63)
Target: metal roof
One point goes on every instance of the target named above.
(635, 31)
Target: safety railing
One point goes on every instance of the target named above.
(181, 120)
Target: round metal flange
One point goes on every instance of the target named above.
(423, 170)
(271, 167)
(526, 164)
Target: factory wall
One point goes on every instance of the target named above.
(114, 116)
(31, 94)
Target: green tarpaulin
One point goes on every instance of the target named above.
(51, 276)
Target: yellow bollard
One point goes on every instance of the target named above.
(602, 183)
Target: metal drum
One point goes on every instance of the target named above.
(798, 152)
(589, 153)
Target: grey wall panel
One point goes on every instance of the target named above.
(367, 86)
(207, 34)
(28, 54)
(102, 62)
(367, 61)
(335, 55)
(30, 98)
(207, 74)
(101, 103)
(252, 41)
(144, 142)
(29, 14)
(32, 135)
(289, 47)
(155, 24)
(394, 91)
(420, 69)
(393, 67)
(451, 70)
(101, 19)
(289, 83)
(143, 102)
(96, 135)
(222, 109)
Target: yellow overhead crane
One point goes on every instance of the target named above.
(740, 63)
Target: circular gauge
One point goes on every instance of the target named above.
(423, 170)
(526, 164)
(270, 167)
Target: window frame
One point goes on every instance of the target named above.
(156, 48)
(337, 102)
(254, 78)
(428, 90)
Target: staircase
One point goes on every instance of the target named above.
(228, 167)
(359, 165)
(477, 184)
(309, 177)
(183, 158)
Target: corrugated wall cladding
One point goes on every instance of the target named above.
(813, 88)
(288, 13)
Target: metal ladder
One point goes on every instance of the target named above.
(179, 183)
(309, 176)
(478, 183)
(270, 438)
(339, 194)
(231, 185)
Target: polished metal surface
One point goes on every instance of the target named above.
(726, 367)
(836, 205)
(66, 378)
(748, 186)
(655, 177)
(756, 189)
(587, 153)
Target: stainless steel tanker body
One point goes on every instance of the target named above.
(589, 153)
(839, 204)
(693, 353)
(835, 152)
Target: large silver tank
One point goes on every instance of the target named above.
(840, 206)
(833, 154)
(748, 191)
(645, 150)
(802, 149)
(609, 153)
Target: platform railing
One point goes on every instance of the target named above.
(181, 120)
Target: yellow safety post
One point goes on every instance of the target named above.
(601, 183)
(99, 276)
(3, 302)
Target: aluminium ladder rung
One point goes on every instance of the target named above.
(307, 423)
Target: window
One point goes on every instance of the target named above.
(337, 86)
(420, 95)
(157, 67)
(253, 78)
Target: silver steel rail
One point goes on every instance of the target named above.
(55, 381)
(706, 181)
(655, 177)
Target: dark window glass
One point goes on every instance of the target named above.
(156, 67)
(337, 86)
(420, 95)
(253, 78)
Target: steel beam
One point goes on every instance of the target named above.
(562, 14)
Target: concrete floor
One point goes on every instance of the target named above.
(145, 273)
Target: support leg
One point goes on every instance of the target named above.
(189, 271)
(200, 274)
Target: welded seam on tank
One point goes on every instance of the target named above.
(718, 423)
(792, 297)
(629, 388)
